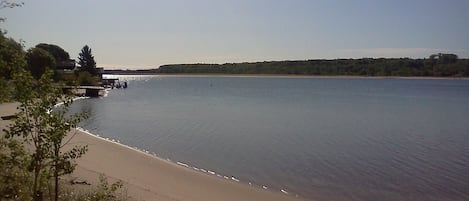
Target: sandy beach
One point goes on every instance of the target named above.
(147, 177)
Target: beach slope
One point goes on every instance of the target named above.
(147, 177)
(150, 178)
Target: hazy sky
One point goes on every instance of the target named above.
(146, 34)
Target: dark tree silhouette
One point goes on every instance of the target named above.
(447, 65)
(86, 60)
(56, 51)
(38, 61)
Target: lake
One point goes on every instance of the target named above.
(318, 138)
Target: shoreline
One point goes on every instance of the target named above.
(292, 76)
(173, 162)
(89, 164)
(149, 177)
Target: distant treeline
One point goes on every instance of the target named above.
(131, 72)
(441, 65)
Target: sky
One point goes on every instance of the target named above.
(140, 34)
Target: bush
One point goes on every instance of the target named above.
(104, 191)
(15, 179)
(86, 79)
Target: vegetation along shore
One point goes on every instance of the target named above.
(436, 65)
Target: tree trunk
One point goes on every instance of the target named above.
(56, 171)
(37, 194)
(56, 177)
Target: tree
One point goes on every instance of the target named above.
(11, 56)
(61, 57)
(86, 61)
(11, 59)
(39, 61)
(57, 52)
(14, 177)
(43, 126)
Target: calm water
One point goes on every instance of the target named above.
(326, 139)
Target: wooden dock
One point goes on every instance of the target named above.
(91, 91)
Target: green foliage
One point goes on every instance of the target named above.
(67, 78)
(86, 79)
(14, 177)
(39, 61)
(11, 56)
(86, 61)
(57, 52)
(437, 65)
(6, 90)
(104, 191)
(77, 78)
(27, 173)
(44, 129)
(61, 57)
(11, 59)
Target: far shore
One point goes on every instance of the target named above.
(147, 177)
(293, 76)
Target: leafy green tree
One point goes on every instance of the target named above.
(11, 56)
(14, 177)
(57, 52)
(11, 59)
(86, 60)
(61, 57)
(39, 61)
(38, 123)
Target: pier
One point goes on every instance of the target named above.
(91, 91)
(114, 83)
